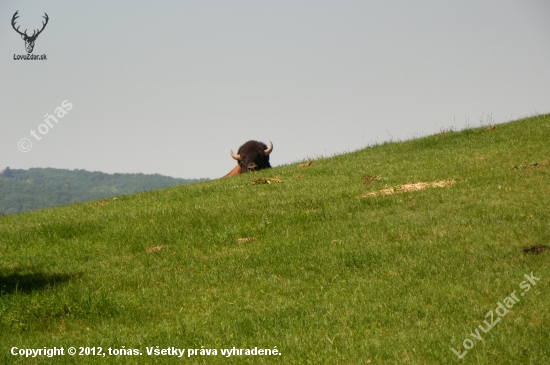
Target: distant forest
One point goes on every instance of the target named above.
(36, 188)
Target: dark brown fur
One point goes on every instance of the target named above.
(252, 157)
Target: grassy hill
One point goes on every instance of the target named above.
(37, 188)
(338, 264)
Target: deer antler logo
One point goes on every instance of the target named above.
(29, 40)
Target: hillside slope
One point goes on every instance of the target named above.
(337, 264)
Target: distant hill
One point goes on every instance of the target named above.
(36, 188)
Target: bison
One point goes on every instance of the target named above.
(236, 171)
(251, 156)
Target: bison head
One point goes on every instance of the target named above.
(252, 156)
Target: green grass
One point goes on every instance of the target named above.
(328, 277)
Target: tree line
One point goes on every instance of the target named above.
(37, 188)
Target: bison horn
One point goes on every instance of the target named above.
(236, 157)
(269, 149)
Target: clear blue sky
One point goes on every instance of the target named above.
(171, 86)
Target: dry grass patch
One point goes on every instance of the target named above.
(246, 239)
(405, 188)
(532, 165)
(155, 249)
(266, 180)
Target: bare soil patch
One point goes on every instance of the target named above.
(308, 163)
(367, 179)
(535, 249)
